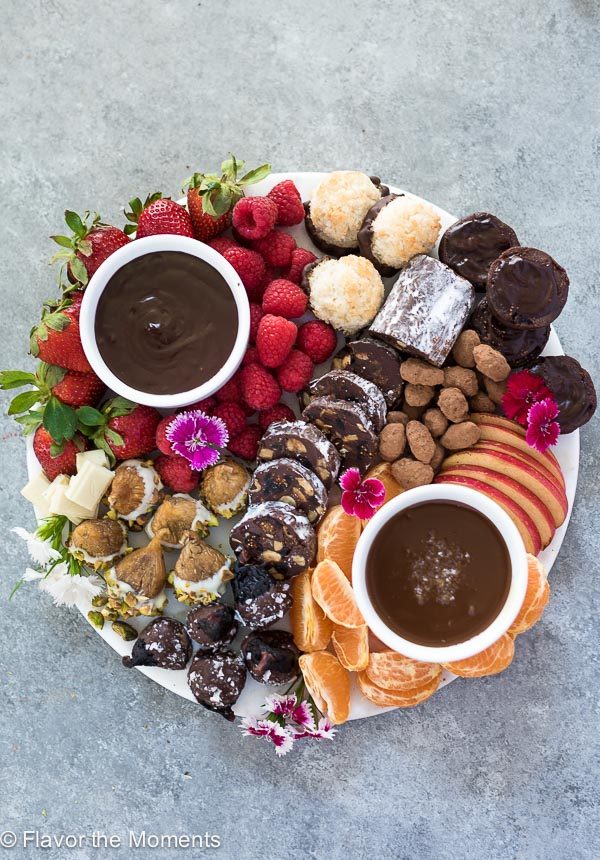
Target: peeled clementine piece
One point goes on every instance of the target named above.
(337, 537)
(392, 671)
(351, 644)
(494, 659)
(396, 698)
(536, 597)
(328, 683)
(334, 594)
(311, 628)
(383, 472)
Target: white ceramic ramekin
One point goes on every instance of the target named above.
(139, 248)
(516, 593)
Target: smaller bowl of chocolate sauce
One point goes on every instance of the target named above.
(440, 573)
(165, 321)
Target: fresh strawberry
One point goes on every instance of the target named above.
(256, 314)
(245, 444)
(56, 459)
(254, 217)
(162, 443)
(157, 214)
(177, 473)
(279, 412)
(250, 266)
(211, 197)
(317, 339)
(299, 261)
(56, 339)
(296, 371)
(232, 415)
(260, 389)
(89, 245)
(290, 209)
(275, 339)
(78, 389)
(124, 429)
(284, 298)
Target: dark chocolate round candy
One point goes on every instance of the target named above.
(271, 656)
(526, 288)
(211, 626)
(374, 361)
(216, 681)
(365, 236)
(260, 600)
(164, 643)
(520, 347)
(571, 387)
(470, 246)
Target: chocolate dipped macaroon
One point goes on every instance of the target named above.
(471, 244)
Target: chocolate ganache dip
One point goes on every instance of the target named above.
(166, 322)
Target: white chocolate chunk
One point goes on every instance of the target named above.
(89, 485)
(61, 505)
(34, 492)
(96, 456)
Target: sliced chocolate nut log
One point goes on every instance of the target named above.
(275, 535)
(470, 246)
(425, 310)
(348, 427)
(216, 681)
(526, 288)
(520, 347)
(572, 388)
(376, 362)
(345, 385)
(289, 481)
(303, 442)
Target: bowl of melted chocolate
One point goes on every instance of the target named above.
(440, 573)
(165, 321)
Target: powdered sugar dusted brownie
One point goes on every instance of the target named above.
(348, 427)
(289, 481)
(425, 311)
(303, 442)
(374, 361)
(276, 535)
(345, 385)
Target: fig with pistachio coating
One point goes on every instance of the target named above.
(177, 515)
(98, 542)
(136, 583)
(224, 488)
(164, 643)
(135, 491)
(201, 572)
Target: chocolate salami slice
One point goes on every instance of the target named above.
(348, 427)
(303, 442)
(425, 310)
(345, 385)
(289, 481)
(276, 535)
(374, 361)
(520, 347)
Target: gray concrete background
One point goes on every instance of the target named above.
(475, 105)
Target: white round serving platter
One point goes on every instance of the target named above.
(252, 697)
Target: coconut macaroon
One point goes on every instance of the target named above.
(224, 488)
(135, 491)
(201, 572)
(395, 230)
(177, 515)
(337, 209)
(98, 542)
(347, 293)
(136, 584)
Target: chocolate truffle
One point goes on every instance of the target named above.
(470, 246)
(571, 387)
(271, 656)
(276, 535)
(396, 229)
(374, 361)
(164, 643)
(216, 681)
(290, 482)
(526, 288)
(300, 441)
(211, 626)
(520, 347)
(345, 385)
(260, 600)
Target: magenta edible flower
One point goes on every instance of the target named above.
(198, 437)
(542, 430)
(361, 498)
(523, 389)
(287, 719)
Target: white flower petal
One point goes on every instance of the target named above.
(39, 550)
(31, 575)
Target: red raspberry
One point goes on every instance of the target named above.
(177, 473)
(254, 217)
(207, 405)
(251, 356)
(232, 415)
(285, 299)
(256, 314)
(279, 412)
(296, 371)
(300, 259)
(162, 443)
(260, 389)
(222, 244)
(231, 391)
(250, 266)
(274, 340)
(289, 203)
(245, 444)
(317, 339)
(276, 248)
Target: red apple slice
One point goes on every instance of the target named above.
(531, 504)
(529, 461)
(527, 473)
(522, 520)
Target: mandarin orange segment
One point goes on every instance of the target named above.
(493, 660)
(337, 537)
(311, 628)
(396, 698)
(383, 472)
(328, 683)
(536, 597)
(334, 594)
(393, 671)
(351, 644)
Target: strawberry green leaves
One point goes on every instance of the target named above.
(60, 420)
(74, 244)
(220, 193)
(136, 209)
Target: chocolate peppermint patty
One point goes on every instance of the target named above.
(572, 388)
(520, 347)
(470, 246)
